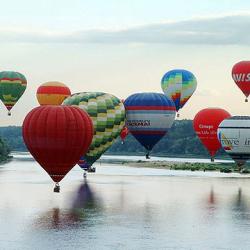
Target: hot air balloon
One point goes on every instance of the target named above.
(179, 85)
(124, 134)
(149, 116)
(108, 115)
(241, 76)
(205, 124)
(83, 165)
(57, 136)
(12, 86)
(52, 93)
(234, 136)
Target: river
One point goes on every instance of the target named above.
(122, 207)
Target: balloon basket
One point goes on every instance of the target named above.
(246, 100)
(212, 159)
(85, 175)
(57, 188)
(178, 115)
(9, 114)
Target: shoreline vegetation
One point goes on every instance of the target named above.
(223, 167)
(4, 153)
(213, 166)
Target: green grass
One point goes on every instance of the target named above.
(222, 167)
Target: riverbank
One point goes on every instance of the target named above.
(190, 164)
(224, 167)
(221, 167)
(5, 159)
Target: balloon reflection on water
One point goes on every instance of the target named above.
(84, 206)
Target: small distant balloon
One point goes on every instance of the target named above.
(241, 76)
(124, 133)
(179, 85)
(12, 87)
(206, 124)
(52, 93)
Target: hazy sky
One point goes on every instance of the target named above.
(125, 46)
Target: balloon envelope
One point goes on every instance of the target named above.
(83, 164)
(234, 136)
(108, 115)
(179, 85)
(52, 93)
(148, 117)
(124, 133)
(57, 136)
(206, 124)
(241, 76)
(12, 87)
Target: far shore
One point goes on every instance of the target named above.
(225, 166)
(212, 166)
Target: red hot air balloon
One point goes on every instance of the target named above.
(241, 76)
(124, 133)
(205, 124)
(57, 136)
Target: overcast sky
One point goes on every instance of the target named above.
(122, 47)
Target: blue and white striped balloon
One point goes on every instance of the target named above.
(149, 116)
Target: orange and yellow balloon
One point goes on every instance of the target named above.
(52, 93)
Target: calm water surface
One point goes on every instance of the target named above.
(123, 208)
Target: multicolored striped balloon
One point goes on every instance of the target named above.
(52, 93)
(179, 85)
(108, 115)
(149, 116)
(12, 87)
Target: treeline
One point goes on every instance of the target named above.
(181, 141)
(12, 137)
(4, 151)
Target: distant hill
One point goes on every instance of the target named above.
(181, 141)
(4, 151)
(12, 136)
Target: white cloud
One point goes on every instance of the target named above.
(219, 30)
